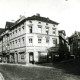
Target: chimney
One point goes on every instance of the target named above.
(38, 14)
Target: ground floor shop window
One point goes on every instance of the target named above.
(42, 57)
(21, 56)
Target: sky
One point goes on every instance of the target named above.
(65, 12)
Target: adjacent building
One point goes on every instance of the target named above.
(61, 50)
(63, 45)
(27, 40)
(74, 41)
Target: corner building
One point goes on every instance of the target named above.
(27, 40)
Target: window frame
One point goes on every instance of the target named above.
(39, 40)
(30, 40)
(30, 29)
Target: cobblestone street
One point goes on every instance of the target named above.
(37, 72)
(1, 77)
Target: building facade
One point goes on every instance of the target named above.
(74, 41)
(63, 51)
(27, 40)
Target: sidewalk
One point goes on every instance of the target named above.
(28, 65)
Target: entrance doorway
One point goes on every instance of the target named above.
(31, 57)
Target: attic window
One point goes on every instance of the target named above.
(13, 32)
(46, 23)
(54, 25)
(16, 31)
(23, 27)
(19, 29)
(30, 21)
(39, 22)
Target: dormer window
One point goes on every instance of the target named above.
(19, 29)
(16, 31)
(39, 22)
(30, 21)
(23, 27)
(13, 32)
(54, 25)
(46, 23)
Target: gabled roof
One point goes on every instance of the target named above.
(8, 25)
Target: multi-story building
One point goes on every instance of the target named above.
(74, 41)
(1, 43)
(27, 40)
(63, 45)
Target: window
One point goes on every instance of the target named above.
(22, 56)
(47, 30)
(30, 21)
(54, 30)
(39, 40)
(30, 40)
(23, 27)
(19, 40)
(13, 42)
(16, 31)
(10, 45)
(23, 39)
(47, 40)
(30, 29)
(39, 28)
(19, 29)
(54, 25)
(46, 23)
(39, 22)
(54, 41)
(16, 41)
(13, 32)
(19, 44)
